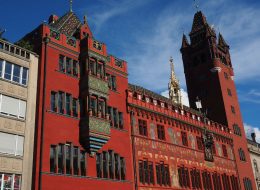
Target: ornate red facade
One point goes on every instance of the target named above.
(97, 131)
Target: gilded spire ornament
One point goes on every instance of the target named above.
(71, 3)
(174, 86)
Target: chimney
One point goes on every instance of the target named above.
(253, 135)
(53, 19)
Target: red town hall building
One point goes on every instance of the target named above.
(96, 131)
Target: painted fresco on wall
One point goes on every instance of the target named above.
(230, 152)
(192, 140)
(219, 149)
(174, 136)
(181, 156)
(134, 124)
(152, 133)
(174, 175)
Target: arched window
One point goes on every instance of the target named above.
(255, 166)
(237, 130)
(247, 184)
(241, 154)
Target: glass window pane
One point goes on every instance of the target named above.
(17, 182)
(16, 73)
(8, 71)
(1, 69)
(20, 141)
(8, 181)
(25, 76)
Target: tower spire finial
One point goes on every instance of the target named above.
(196, 5)
(71, 2)
(174, 86)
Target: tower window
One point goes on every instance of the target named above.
(225, 75)
(247, 184)
(233, 109)
(241, 154)
(229, 92)
(237, 130)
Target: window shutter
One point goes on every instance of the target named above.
(71, 156)
(64, 63)
(19, 147)
(56, 100)
(76, 67)
(124, 168)
(107, 162)
(101, 164)
(113, 161)
(22, 109)
(71, 104)
(119, 166)
(56, 158)
(77, 107)
(63, 101)
(9, 105)
(7, 143)
(78, 152)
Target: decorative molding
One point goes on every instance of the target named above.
(97, 56)
(99, 125)
(98, 85)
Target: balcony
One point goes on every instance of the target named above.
(94, 133)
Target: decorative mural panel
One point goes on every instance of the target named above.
(192, 140)
(174, 136)
(99, 125)
(98, 84)
(177, 155)
(219, 149)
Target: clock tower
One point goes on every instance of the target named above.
(210, 76)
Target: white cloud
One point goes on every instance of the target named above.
(250, 129)
(239, 24)
(184, 96)
(251, 96)
(107, 10)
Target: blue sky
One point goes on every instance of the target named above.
(146, 33)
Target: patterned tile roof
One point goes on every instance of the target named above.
(67, 24)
